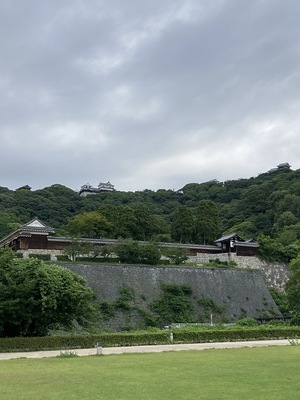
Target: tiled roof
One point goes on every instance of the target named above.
(227, 237)
(36, 225)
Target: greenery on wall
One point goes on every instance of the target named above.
(174, 305)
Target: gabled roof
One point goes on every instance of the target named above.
(25, 187)
(238, 241)
(284, 166)
(33, 226)
(36, 225)
(228, 237)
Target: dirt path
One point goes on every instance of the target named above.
(146, 349)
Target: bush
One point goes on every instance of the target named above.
(174, 305)
(247, 322)
(277, 322)
(295, 320)
(43, 257)
(62, 258)
(19, 255)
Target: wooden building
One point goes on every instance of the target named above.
(33, 235)
(233, 243)
(36, 237)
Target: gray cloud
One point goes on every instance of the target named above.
(151, 94)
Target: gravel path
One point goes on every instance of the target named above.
(147, 349)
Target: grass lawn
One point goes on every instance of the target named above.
(250, 373)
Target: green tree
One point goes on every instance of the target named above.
(176, 255)
(130, 251)
(8, 222)
(121, 218)
(89, 224)
(77, 248)
(182, 226)
(281, 300)
(147, 224)
(207, 222)
(36, 297)
(150, 254)
(284, 220)
(272, 250)
(245, 229)
(293, 286)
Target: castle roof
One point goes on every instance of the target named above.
(35, 226)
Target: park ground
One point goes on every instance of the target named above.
(248, 373)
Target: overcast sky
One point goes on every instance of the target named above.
(147, 94)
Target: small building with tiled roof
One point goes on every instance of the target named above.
(33, 234)
(280, 167)
(25, 187)
(284, 166)
(233, 243)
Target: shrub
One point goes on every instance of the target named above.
(43, 257)
(62, 257)
(295, 320)
(247, 322)
(174, 305)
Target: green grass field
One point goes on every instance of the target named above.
(249, 373)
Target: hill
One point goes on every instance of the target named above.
(265, 207)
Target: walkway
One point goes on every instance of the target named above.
(146, 349)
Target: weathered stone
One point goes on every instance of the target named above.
(241, 292)
(275, 274)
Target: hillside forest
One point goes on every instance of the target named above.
(265, 208)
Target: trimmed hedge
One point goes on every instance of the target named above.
(81, 341)
(47, 343)
(236, 334)
(144, 338)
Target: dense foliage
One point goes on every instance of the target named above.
(36, 297)
(173, 305)
(129, 251)
(293, 290)
(266, 207)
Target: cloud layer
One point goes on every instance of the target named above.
(151, 94)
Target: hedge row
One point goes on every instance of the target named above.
(236, 335)
(81, 341)
(144, 338)
(47, 343)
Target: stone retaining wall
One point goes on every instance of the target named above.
(275, 274)
(241, 292)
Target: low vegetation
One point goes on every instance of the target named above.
(185, 334)
(224, 374)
